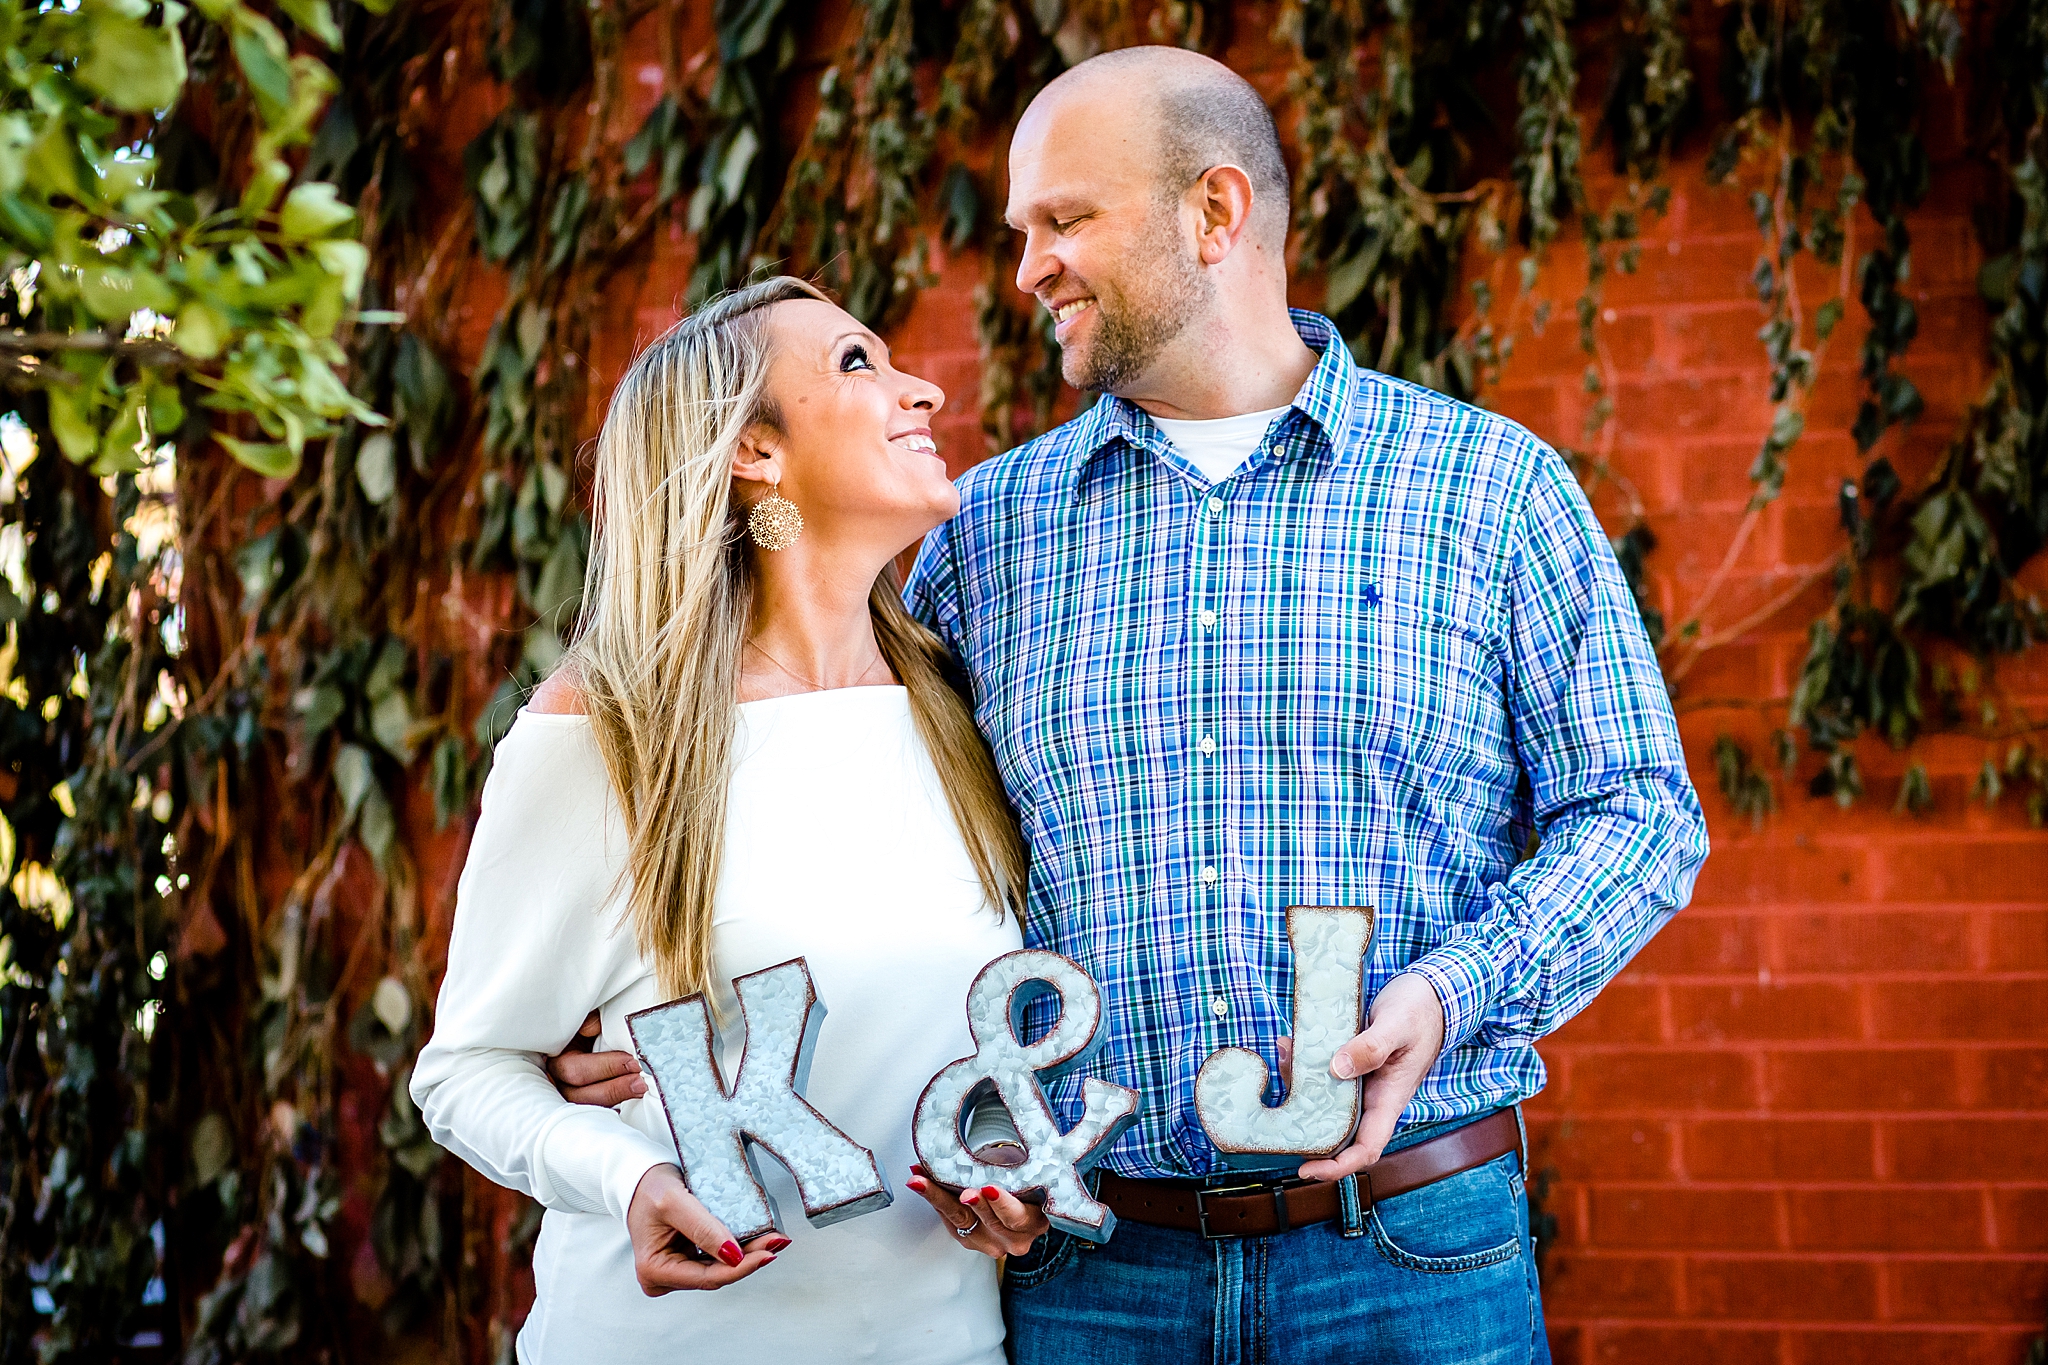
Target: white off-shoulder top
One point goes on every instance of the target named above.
(841, 849)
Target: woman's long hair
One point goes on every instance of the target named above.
(667, 602)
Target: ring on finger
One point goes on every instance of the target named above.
(967, 1231)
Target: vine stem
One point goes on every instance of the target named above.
(1701, 643)
(1729, 634)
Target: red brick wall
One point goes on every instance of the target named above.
(1810, 1122)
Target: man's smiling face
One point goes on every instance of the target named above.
(1106, 250)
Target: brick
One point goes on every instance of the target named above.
(1963, 869)
(1888, 1218)
(1665, 1218)
(1775, 1148)
(1717, 471)
(1894, 1346)
(1801, 1289)
(1602, 1149)
(1535, 406)
(1682, 1344)
(2019, 1219)
(1648, 1081)
(1910, 941)
(1701, 944)
(1567, 1342)
(1968, 1289)
(1777, 875)
(1801, 1010)
(1631, 339)
(1697, 272)
(1945, 254)
(1809, 532)
(1722, 336)
(1862, 1080)
(1958, 1148)
(2018, 941)
(1626, 1012)
(1693, 405)
(1960, 1009)
(1610, 1286)
(2013, 1078)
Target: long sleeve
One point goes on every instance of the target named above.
(933, 590)
(536, 946)
(1621, 832)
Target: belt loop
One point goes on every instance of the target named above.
(1522, 1128)
(1350, 1218)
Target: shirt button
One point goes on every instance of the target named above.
(1208, 745)
(1219, 1007)
(1209, 874)
(1215, 506)
(1208, 617)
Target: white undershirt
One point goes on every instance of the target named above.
(841, 848)
(1220, 446)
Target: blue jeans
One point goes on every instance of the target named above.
(1443, 1275)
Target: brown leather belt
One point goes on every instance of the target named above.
(1265, 1209)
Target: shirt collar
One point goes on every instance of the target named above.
(1325, 398)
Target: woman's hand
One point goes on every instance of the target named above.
(664, 1208)
(605, 1079)
(986, 1220)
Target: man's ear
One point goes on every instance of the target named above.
(756, 444)
(1224, 201)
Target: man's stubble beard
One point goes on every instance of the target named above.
(1134, 328)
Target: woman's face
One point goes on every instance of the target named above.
(855, 453)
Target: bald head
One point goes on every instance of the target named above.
(1198, 112)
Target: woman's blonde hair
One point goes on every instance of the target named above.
(667, 602)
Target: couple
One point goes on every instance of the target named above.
(1258, 629)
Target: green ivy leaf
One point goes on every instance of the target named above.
(312, 210)
(200, 332)
(271, 459)
(377, 467)
(132, 65)
(265, 60)
(355, 777)
(314, 17)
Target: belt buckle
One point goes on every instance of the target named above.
(1279, 1192)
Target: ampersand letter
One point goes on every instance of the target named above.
(1003, 1062)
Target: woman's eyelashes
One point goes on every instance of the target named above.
(855, 357)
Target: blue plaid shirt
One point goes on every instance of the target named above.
(1363, 670)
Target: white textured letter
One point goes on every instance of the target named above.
(1320, 1112)
(717, 1133)
(1003, 1062)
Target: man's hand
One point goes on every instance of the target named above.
(662, 1208)
(600, 1078)
(1404, 1032)
(996, 1223)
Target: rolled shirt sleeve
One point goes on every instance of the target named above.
(1621, 833)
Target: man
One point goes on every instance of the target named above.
(1261, 629)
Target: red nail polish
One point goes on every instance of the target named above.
(730, 1252)
(990, 1192)
(916, 1184)
(778, 1244)
(969, 1196)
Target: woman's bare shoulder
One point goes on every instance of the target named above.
(560, 695)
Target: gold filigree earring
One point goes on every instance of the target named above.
(775, 523)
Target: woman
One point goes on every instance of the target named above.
(751, 753)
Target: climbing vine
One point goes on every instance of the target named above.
(277, 560)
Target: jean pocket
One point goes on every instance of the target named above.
(1054, 1253)
(1465, 1222)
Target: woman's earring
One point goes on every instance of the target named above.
(775, 523)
